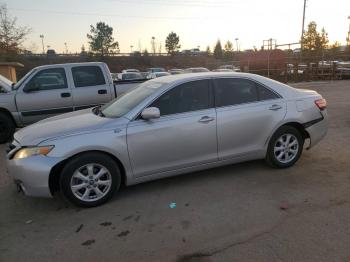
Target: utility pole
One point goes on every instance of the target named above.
(153, 43)
(302, 32)
(42, 42)
(348, 38)
(65, 44)
(237, 44)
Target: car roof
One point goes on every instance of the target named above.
(282, 89)
(71, 64)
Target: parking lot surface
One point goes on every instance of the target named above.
(242, 212)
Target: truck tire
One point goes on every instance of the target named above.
(7, 127)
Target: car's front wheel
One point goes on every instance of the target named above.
(285, 147)
(90, 179)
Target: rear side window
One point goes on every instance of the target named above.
(234, 91)
(187, 97)
(265, 93)
(48, 79)
(88, 76)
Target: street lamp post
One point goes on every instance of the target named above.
(237, 44)
(348, 38)
(153, 45)
(42, 42)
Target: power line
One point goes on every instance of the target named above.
(113, 15)
(177, 3)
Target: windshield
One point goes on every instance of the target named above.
(121, 106)
(18, 84)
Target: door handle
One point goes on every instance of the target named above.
(206, 119)
(65, 94)
(275, 107)
(102, 91)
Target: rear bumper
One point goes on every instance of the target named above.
(32, 174)
(318, 130)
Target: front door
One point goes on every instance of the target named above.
(183, 136)
(46, 94)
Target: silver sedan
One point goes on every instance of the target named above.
(165, 127)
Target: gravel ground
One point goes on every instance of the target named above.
(230, 213)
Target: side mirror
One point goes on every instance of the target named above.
(150, 113)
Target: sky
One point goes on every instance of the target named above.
(197, 22)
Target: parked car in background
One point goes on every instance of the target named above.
(231, 67)
(176, 71)
(5, 85)
(343, 69)
(196, 70)
(51, 52)
(131, 71)
(157, 74)
(130, 76)
(155, 69)
(222, 70)
(114, 76)
(165, 127)
(50, 90)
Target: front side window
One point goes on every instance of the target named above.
(47, 79)
(235, 91)
(87, 76)
(191, 96)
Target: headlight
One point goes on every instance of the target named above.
(33, 151)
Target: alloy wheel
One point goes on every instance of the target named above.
(91, 182)
(286, 148)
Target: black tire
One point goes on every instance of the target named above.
(79, 162)
(7, 128)
(272, 159)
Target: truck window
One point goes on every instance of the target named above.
(87, 76)
(47, 79)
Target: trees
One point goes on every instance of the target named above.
(313, 41)
(172, 43)
(228, 54)
(228, 46)
(11, 35)
(101, 39)
(218, 50)
(208, 51)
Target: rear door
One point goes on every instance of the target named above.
(247, 112)
(90, 86)
(46, 94)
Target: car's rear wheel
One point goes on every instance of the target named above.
(7, 127)
(90, 179)
(285, 147)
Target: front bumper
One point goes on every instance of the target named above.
(32, 174)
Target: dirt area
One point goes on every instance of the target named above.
(243, 212)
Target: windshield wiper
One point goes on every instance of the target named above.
(97, 111)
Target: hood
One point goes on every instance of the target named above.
(5, 84)
(62, 125)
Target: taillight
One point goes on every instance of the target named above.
(321, 103)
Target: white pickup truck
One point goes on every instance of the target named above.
(49, 90)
